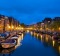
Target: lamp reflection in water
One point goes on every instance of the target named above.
(34, 34)
(19, 41)
(31, 33)
(53, 42)
(27, 31)
(47, 38)
(37, 35)
(59, 49)
(41, 37)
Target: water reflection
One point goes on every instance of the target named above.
(19, 40)
(53, 42)
(33, 45)
(47, 41)
(5, 52)
(59, 49)
(41, 37)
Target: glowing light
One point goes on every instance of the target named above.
(27, 31)
(22, 28)
(53, 43)
(41, 37)
(47, 28)
(31, 33)
(12, 27)
(47, 38)
(40, 28)
(34, 34)
(59, 49)
(16, 28)
(20, 38)
(8, 26)
(19, 25)
(53, 29)
(59, 28)
(37, 35)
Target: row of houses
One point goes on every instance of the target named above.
(8, 24)
(48, 24)
(51, 24)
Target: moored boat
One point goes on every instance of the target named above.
(8, 43)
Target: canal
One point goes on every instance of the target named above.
(33, 44)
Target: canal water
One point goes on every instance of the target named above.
(33, 44)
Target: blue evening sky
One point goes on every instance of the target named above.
(30, 11)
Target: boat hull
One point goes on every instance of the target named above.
(7, 45)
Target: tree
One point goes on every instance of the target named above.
(23, 25)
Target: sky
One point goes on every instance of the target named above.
(30, 11)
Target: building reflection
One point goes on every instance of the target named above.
(5, 52)
(47, 41)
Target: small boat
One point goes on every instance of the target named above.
(9, 43)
